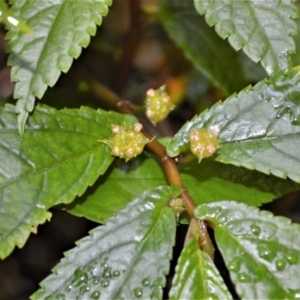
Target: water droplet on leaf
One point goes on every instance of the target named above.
(243, 277)
(138, 292)
(235, 265)
(96, 295)
(291, 258)
(280, 264)
(145, 282)
(80, 277)
(256, 230)
(95, 280)
(116, 273)
(84, 289)
(104, 282)
(106, 273)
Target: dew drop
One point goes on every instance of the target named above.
(266, 253)
(255, 229)
(68, 288)
(145, 282)
(116, 273)
(95, 280)
(104, 283)
(243, 277)
(280, 264)
(84, 289)
(80, 277)
(292, 259)
(96, 295)
(138, 292)
(235, 265)
(106, 273)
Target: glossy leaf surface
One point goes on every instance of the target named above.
(215, 182)
(258, 129)
(262, 252)
(202, 46)
(197, 277)
(56, 160)
(263, 29)
(126, 258)
(60, 29)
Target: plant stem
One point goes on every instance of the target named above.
(130, 45)
(167, 162)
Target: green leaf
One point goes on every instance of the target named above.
(215, 182)
(60, 28)
(259, 128)
(56, 160)
(205, 49)
(116, 188)
(126, 258)
(10, 20)
(196, 276)
(262, 252)
(263, 29)
(296, 56)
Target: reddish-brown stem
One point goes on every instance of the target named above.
(167, 162)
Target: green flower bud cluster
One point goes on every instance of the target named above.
(158, 104)
(177, 205)
(204, 142)
(126, 142)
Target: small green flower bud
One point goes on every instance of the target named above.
(204, 142)
(177, 205)
(126, 142)
(158, 104)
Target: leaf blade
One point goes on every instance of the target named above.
(260, 250)
(259, 128)
(216, 181)
(196, 276)
(262, 28)
(135, 243)
(202, 46)
(57, 159)
(60, 28)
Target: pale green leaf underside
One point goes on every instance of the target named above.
(262, 252)
(263, 29)
(56, 160)
(205, 49)
(259, 128)
(126, 258)
(214, 182)
(60, 29)
(197, 277)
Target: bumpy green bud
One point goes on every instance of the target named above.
(177, 205)
(126, 142)
(204, 142)
(158, 104)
